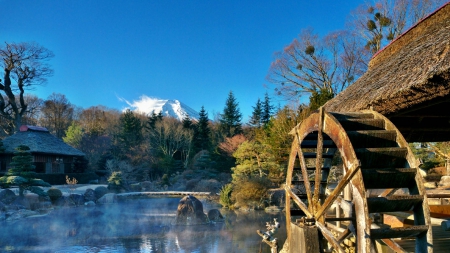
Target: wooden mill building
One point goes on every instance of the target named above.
(50, 154)
(408, 82)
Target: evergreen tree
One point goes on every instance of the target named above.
(22, 172)
(256, 118)
(187, 122)
(152, 119)
(230, 119)
(130, 134)
(74, 135)
(317, 99)
(202, 132)
(266, 110)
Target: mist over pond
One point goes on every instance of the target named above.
(145, 225)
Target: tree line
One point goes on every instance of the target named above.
(254, 154)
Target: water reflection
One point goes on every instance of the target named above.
(137, 226)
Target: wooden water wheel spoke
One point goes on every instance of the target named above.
(335, 193)
(319, 153)
(373, 155)
(298, 201)
(330, 237)
(305, 177)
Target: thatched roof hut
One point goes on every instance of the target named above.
(50, 154)
(39, 140)
(408, 81)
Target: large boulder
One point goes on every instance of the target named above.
(7, 196)
(89, 195)
(77, 199)
(107, 199)
(33, 200)
(190, 211)
(21, 202)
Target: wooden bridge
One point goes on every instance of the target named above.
(165, 194)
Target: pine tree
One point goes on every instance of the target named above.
(230, 119)
(130, 134)
(21, 172)
(256, 118)
(152, 119)
(187, 122)
(267, 110)
(201, 132)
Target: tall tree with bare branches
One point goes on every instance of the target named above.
(381, 21)
(311, 64)
(24, 65)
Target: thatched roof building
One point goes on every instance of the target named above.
(408, 81)
(50, 154)
(39, 140)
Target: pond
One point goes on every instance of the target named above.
(143, 225)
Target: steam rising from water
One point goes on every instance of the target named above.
(133, 226)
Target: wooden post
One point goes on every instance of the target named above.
(304, 239)
(447, 166)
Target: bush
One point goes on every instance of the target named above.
(165, 180)
(38, 190)
(210, 185)
(190, 185)
(225, 195)
(100, 191)
(54, 194)
(250, 192)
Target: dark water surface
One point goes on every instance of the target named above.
(136, 226)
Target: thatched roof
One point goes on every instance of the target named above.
(408, 81)
(39, 140)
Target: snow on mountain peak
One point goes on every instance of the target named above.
(168, 107)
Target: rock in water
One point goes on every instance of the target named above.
(215, 215)
(190, 212)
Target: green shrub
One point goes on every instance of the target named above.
(38, 190)
(225, 195)
(100, 191)
(250, 192)
(54, 194)
(165, 180)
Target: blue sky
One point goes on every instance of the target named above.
(190, 50)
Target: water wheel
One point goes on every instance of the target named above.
(379, 175)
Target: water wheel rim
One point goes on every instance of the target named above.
(325, 123)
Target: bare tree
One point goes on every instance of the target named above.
(380, 22)
(169, 137)
(24, 66)
(34, 106)
(29, 117)
(99, 120)
(57, 113)
(313, 64)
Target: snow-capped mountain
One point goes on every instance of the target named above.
(169, 107)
